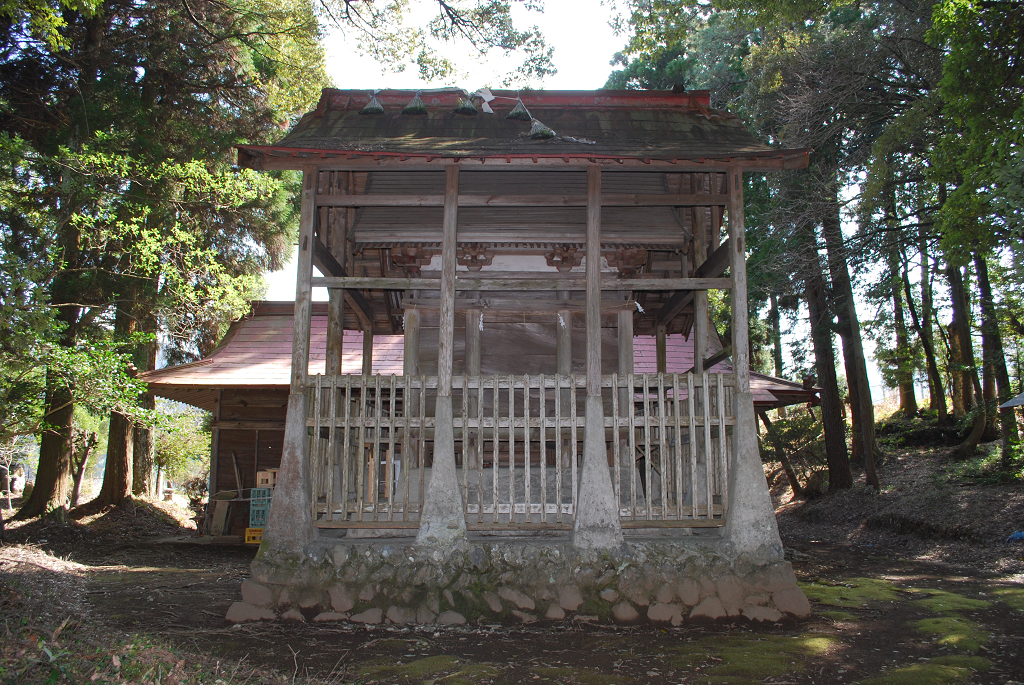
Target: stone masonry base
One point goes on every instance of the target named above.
(517, 580)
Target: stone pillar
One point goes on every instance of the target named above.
(750, 526)
(289, 526)
(443, 521)
(596, 523)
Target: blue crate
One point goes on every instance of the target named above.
(258, 516)
(261, 497)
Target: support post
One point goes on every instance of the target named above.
(471, 448)
(563, 366)
(597, 523)
(411, 367)
(335, 330)
(750, 526)
(443, 521)
(290, 523)
(661, 348)
(700, 297)
(368, 352)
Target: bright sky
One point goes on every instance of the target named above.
(584, 45)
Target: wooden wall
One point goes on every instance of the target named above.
(249, 424)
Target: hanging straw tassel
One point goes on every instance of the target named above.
(467, 106)
(539, 131)
(519, 113)
(415, 106)
(373, 107)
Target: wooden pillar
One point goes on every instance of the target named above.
(289, 527)
(443, 519)
(471, 447)
(625, 330)
(738, 267)
(563, 367)
(368, 352)
(661, 348)
(411, 343)
(214, 486)
(596, 525)
(335, 330)
(700, 297)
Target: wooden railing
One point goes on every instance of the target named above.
(518, 448)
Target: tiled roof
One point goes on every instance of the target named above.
(607, 124)
(256, 353)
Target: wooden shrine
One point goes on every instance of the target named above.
(518, 242)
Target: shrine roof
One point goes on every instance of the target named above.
(601, 124)
(256, 353)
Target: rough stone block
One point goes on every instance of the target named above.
(309, 601)
(731, 592)
(448, 597)
(367, 593)
(637, 595)
(256, 594)
(401, 615)
(569, 597)
(523, 616)
(340, 556)
(624, 612)
(756, 600)
(493, 602)
(777, 577)
(373, 615)
(554, 613)
(707, 587)
(793, 602)
(330, 616)
(689, 592)
(665, 594)
(241, 612)
(710, 608)
(341, 600)
(664, 612)
(425, 616)
(609, 595)
(762, 614)
(451, 618)
(517, 598)
(285, 598)
(293, 615)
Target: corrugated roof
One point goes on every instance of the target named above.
(256, 353)
(641, 125)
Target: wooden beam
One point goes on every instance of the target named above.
(327, 263)
(524, 284)
(713, 359)
(675, 304)
(520, 305)
(619, 200)
(248, 425)
(716, 263)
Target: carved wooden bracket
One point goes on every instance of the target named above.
(474, 257)
(411, 259)
(627, 260)
(564, 258)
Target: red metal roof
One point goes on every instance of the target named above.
(256, 353)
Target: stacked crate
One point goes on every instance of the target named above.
(259, 507)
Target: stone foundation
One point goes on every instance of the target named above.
(518, 580)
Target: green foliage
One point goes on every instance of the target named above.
(182, 442)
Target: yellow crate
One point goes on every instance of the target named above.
(253, 536)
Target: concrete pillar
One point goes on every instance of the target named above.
(596, 523)
(443, 521)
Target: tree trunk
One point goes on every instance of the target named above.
(956, 374)
(960, 342)
(780, 454)
(775, 318)
(144, 451)
(904, 357)
(839, 475)
(923, 328)
(992, 346)
(53, 475)
(853, 347)
(936, 391)
(117, 475)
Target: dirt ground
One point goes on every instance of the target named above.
(912, 585)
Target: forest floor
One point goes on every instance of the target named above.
(915, 584)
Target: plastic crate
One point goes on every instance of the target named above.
(253, 536)
(261, 497)
(258, 515)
